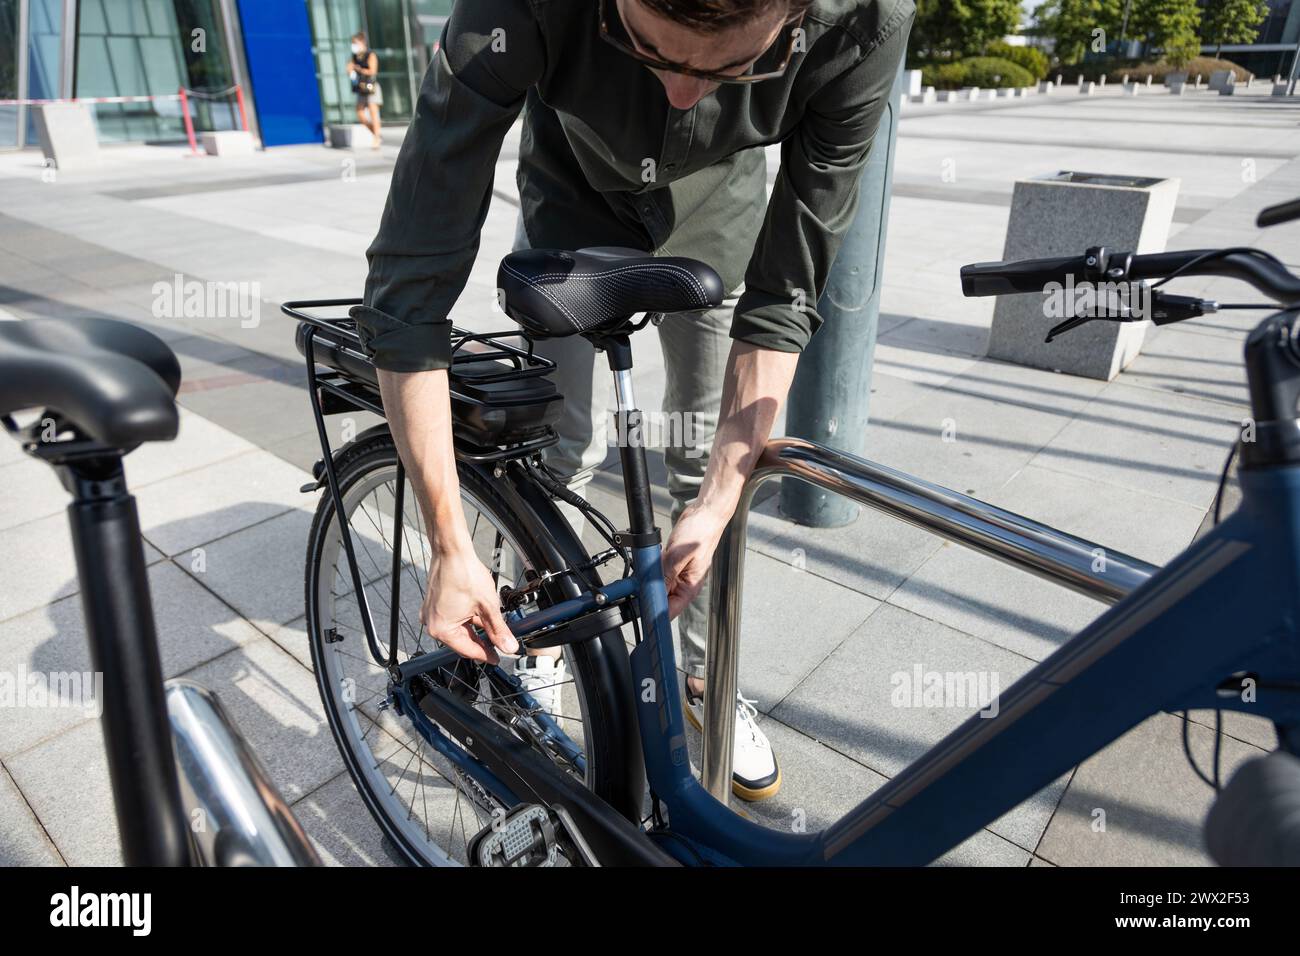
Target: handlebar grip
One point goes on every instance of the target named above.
(1029, 275)
(1276, 215)
(1256, 819)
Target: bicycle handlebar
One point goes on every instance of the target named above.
(1032, 275)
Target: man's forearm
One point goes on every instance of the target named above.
(757, 382)
(418, 408)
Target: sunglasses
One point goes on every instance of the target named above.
(624, 46)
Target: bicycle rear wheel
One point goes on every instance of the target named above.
(422, 802)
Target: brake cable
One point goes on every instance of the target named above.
(1218, 254)
(1216, 781)
(1223, 479)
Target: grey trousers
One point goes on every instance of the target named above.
(695, 348)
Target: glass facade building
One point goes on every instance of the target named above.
(1273, 49)
(134, 49)
(9, 61)
(402, 33)
(60, 49)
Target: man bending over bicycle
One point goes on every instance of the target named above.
(644, 127)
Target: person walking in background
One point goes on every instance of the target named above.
(363, 68)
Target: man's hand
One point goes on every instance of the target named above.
(459, 598)
(756, 384)
(689, 554)
(460, 595)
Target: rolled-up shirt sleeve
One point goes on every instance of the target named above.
(420, 261)
(815, 195)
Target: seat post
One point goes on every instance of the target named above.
(124, 649)
(631, 442)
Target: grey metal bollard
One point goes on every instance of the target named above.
(832, 388)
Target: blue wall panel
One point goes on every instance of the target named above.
(277, 45)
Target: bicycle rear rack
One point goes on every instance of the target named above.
(1018, 541)
(338, 390)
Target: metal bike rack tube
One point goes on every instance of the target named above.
(1061, 558)
(236, 815)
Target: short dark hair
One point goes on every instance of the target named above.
(710, 16)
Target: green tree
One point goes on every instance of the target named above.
(956, 28)
(1080, 26)
(1027, 57)
(1170, 25)
(1232, 21)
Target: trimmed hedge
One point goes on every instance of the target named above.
(1030, 58)
(1138, 71)
(986, 72)
(1204, 65)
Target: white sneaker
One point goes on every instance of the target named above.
(754, 771)
(543, 678)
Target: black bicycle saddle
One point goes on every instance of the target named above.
(554, 293)
(113, 382)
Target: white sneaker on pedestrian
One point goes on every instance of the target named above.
(755, 774)
(543, 678)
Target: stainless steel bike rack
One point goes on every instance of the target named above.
(237, 816)
(1064, 559)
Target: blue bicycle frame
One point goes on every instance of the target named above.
(1215, 629)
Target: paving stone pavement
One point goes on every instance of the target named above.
(830, 615)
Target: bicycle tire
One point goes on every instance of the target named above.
(604, 750)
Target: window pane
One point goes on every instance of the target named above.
(44, 49)
(387, 36)
(44, 16)
(94, 72)
(162, 18)
(124, 54)
(125, 18)
(143, 47)
(158, 57)
(92, 18)
(8, 72)
(208, 67)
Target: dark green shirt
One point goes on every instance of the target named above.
(604, 160)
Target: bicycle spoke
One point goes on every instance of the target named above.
(420, 789)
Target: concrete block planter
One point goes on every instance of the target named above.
(230, 142)
(1064, 215)
(349, 136)
(67, 135)
(1220, 79)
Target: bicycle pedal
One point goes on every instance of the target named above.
(523, 837)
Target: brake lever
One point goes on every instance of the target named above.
(1166, 309)
(1066, 326)
(1079, 320)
